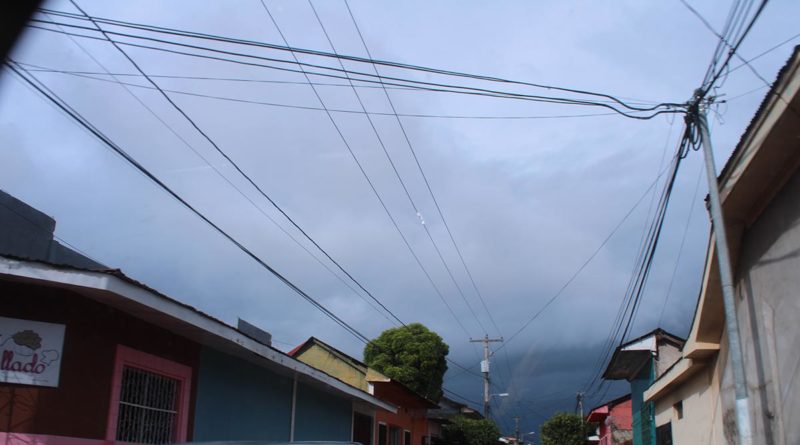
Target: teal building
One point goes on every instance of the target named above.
(641, 361)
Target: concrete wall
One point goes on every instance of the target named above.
(322, 416)
(768, 282)
(702, 419)
(237, 400)
(767, 274)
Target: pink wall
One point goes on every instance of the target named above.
(619, 417)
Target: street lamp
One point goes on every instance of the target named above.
(528, 434)
(486, 402)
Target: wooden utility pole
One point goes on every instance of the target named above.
(485, 370)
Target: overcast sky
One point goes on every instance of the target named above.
(527, 200)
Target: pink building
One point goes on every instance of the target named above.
(614, 421)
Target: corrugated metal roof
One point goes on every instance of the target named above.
(248, 346)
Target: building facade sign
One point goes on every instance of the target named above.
(30, 352)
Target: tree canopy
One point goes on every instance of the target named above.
(412, 355)
(465, 431)
(565, 429)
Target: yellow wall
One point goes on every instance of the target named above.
(344, 370)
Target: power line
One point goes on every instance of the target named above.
(80, 120)
(708, 85)
(583, 265)
(764, 53)
(725, 41)
(92, 75)
(366, 177)
(425, 178)
(47, 231)
(423, 85)
(239, 169)
(680, 248)
(398, 176)
(422, 172)
(219, 173)
(287, 48)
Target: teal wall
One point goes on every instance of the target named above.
(237, 400)
(644, 429)
(322, 416)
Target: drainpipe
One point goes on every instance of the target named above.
(294, 408)
(726, 279)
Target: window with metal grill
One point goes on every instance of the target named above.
(147, 407)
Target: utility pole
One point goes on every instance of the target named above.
(485, 369)
(725, 275)
(579, 397)
(516, 429)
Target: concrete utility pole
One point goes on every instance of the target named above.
(516, 429)
(485, 369)
(725, 276)
(579, 397)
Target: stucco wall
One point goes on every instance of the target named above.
(768, 284)
(767, 274)
(701, 422)
(333, 365)
(237, 400)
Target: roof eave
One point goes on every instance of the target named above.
(102, 286)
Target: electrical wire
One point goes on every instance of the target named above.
(83, 122)
(47, 231)
(428, 186)
(582, 266)
(287, 48)
(422, 85)
(399, 177)
(243, 174)
(422, 171)
(734, 48)
(370, 183)
(79, 120)
(765, 52)
(93, 76)
(692, 206)
(222, 176)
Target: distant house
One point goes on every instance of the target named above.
(407, 426)
(441, 416)
(89, 356)
(641, 361)
(614, 421)
(760, 194)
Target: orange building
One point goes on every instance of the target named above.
(408, 426)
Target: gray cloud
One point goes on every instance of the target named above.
(527, 200)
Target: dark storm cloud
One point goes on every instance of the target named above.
(527, 200)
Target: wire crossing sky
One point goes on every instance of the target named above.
(497, 126)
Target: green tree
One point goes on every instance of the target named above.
(565, 429)
(465, 431)
(412, 355)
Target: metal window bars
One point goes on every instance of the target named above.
(147, 407)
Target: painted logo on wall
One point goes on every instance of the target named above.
(30, 352)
